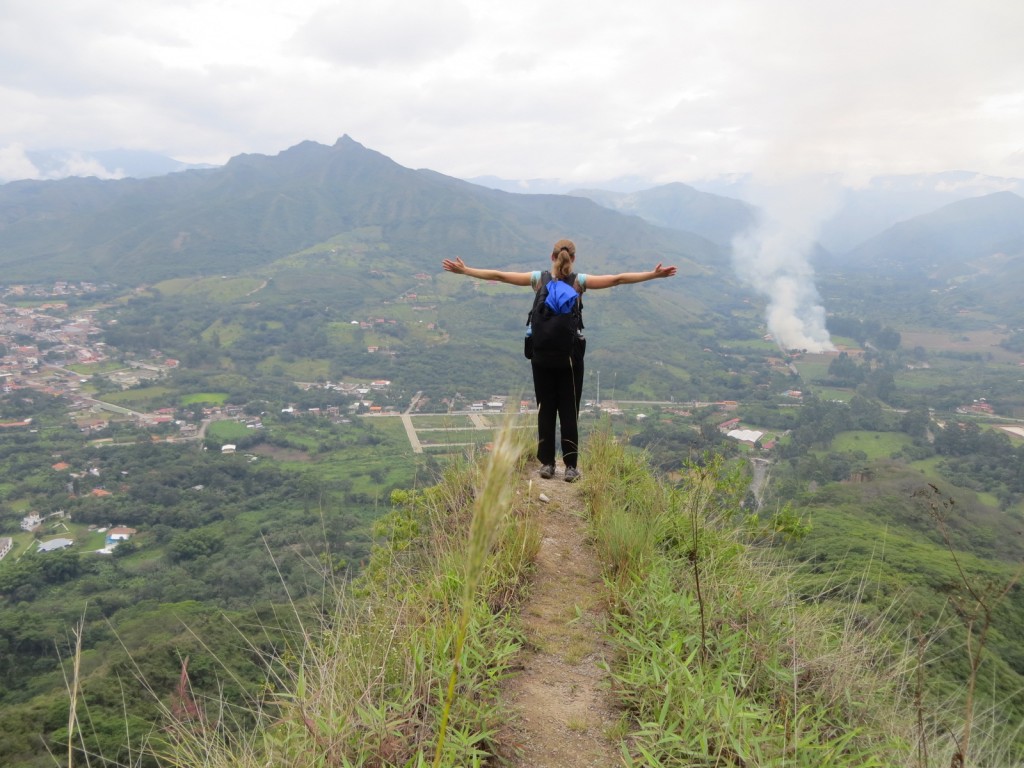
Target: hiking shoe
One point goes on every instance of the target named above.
(571, 474)
(547, 471)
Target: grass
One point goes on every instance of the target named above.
(140, 398)
(720, 656)
(400, 667)
(929, 467)
(718, 662)
(302, 369)
(877, 445)
(210, 398)
(450, 436)
(217, 289)
(813, 367)
(94, 368)
(227, 429)
(834, 393)
(226, 333)
(454, 421)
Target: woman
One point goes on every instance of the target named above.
(558, 390)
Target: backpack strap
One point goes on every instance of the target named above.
(545, 278)
(571, 280)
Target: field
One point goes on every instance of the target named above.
(210, 398)
(227, 430)
(456, 421)
(877, 445)
(94, 368)
(140, 399)
(834, 393)
(455, 436)
(814, 367)
(219, 289)
(967, 342)
(301, 369)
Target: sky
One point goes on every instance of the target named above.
(576, 90)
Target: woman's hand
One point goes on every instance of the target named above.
(660, 271)
(458, 266)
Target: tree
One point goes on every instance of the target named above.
(192, 544)
(844, 371)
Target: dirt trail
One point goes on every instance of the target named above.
(562, 695)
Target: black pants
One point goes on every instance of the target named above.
(558, 392)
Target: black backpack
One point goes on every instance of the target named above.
(554, 336)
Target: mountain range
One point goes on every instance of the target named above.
(258, 209)
(965, 254)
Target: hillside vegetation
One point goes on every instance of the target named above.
(716, 658)
(245, 364)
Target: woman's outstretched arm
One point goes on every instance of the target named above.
(512, 278)
(625, 278)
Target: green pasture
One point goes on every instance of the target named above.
(210, 398)
(32, 303)
(301, 369)
(89, 540)
(344, 333)
(877, 445)
(217, 289)
(107, 366)
(418, 330)
(227, 430)
(457, 421)
(812, 369)
(370, 472)
(928, 379)
(226, 333)
(751, 345)
(846, 343)
(24, 543)
(928, 467)
(367, 465)
(834, 393)
(392, 428)
(455, 436)
(156, 396)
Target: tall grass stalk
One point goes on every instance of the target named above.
(492, 503)
(73, 686)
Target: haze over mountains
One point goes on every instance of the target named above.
(258, 209)
(861, 212)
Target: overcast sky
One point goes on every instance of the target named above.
(580, 90)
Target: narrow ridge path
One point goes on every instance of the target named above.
(566, 715)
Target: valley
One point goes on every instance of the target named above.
(251, 406)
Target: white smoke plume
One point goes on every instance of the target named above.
(774, 259)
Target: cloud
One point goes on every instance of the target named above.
(670, 90)
(395, 33)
